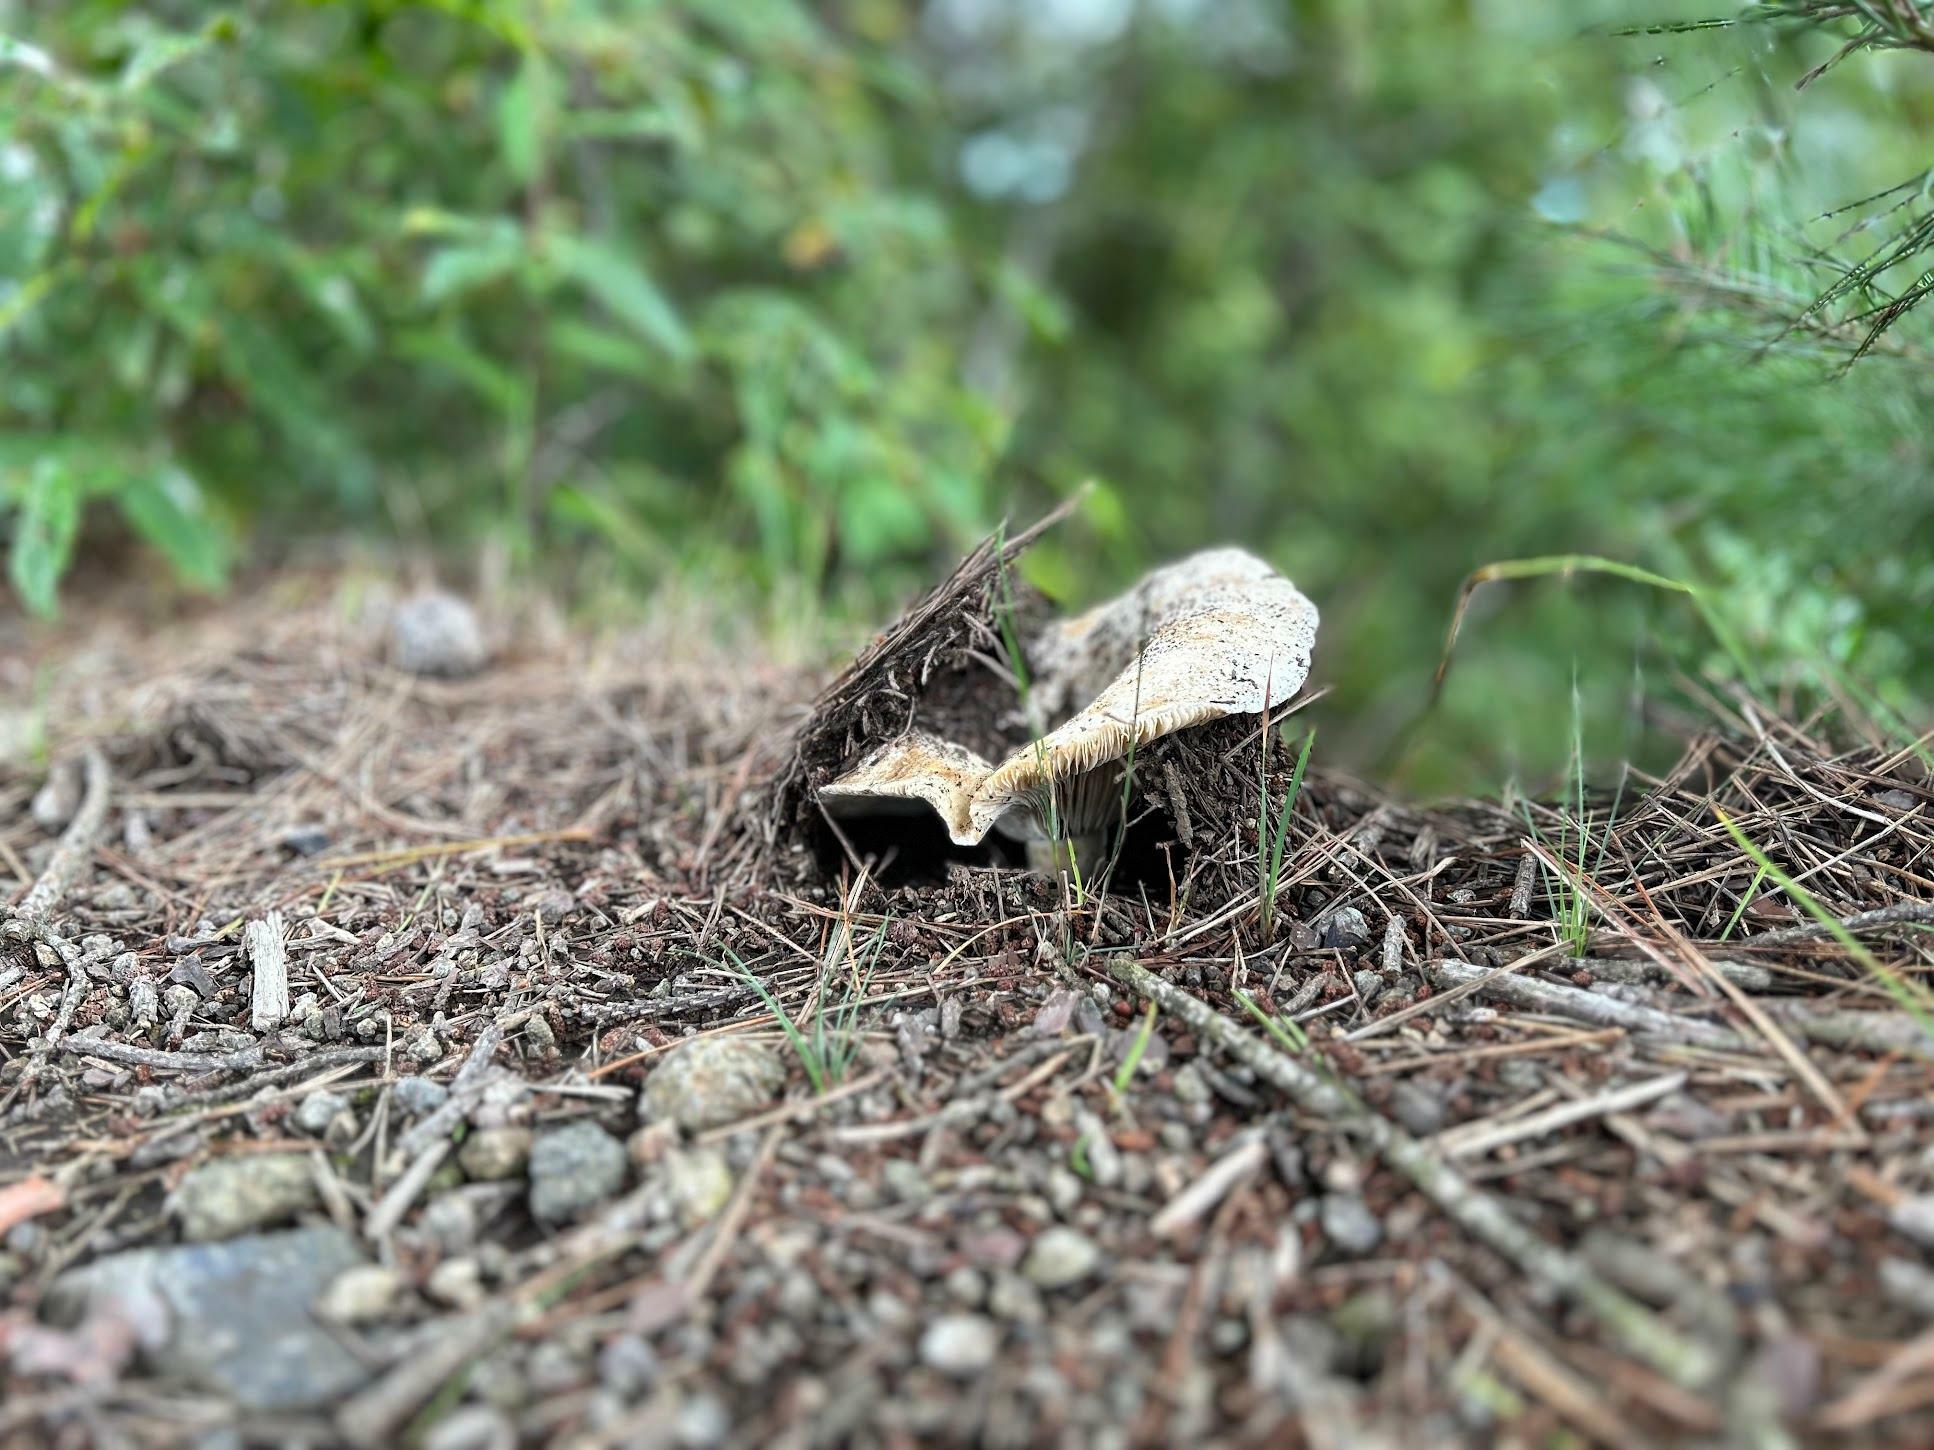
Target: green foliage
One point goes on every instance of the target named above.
(546, 271)
(796, 299)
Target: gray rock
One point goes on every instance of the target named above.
(230, 1196)
(961, 1345)
(905, 1181)
(1369, 986)
(1013, 1298)
(710, 1081)
(1417, 1107)
(967, 1285)
(425, 1051)
(1349, 1224)
(435, 633)
(1061, 1257)
(702, 1422)
(1346, 927)
(1908, 1284)
(450, 1222)
(572, 1169)
(419, 1095)
(456, 1282)
(57, 800)
(489, 1154)
(240, 1318)
(628, 1366)
(699, 1184)
(1914, 1217)
(313, 1113)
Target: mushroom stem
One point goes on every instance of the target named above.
(1065, 855)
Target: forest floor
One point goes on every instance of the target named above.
(1618, 1144)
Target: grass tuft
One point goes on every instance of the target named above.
(828, 1050)
(1271, 840)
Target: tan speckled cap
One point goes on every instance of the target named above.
(1225, 635)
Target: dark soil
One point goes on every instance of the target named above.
(1024, 1209)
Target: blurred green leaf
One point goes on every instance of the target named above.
(45, 527)
(464, 267)
(526, 115)
(621, 284)
(166, 508)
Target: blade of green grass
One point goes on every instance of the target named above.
(1273, 841)
(1912, 997)
(1125, 1074)
(1565, 566)
(1288, 1034)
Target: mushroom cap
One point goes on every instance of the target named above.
(1226, 635)
(917, 766)
(1219, 633)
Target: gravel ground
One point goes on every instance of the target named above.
(395, 1055)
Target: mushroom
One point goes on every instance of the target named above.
(1217, 634)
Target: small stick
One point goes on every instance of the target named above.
(1580, 1005)
(137, 1056)
(1901, 913)
(29, 921)
(1482, 1216)
(403, 1193)
(70, 854)
(262, 943)
(1487, 1136)
(1210, 1187)
(1393, 945)
(1527, 878)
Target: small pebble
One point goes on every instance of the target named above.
(702, 1422)
(419, 1095)
(1914, 1217)
(960, 1345)
(450, 1222)
(1014, 1299)
(360, 1295)
(58, 798)
(573, 1169)
(699, 1184)
(1349, 1224)
(472, 1427)
(1417, 1107)
(1345, 928)
(314, 1113)
(1061, 1257)
(710, 1081)
(967, 1286)
(489, 1154)
(456, 1282)
(229, 1196)
(436, 633)
(628, 1366)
